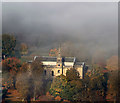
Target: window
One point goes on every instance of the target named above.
(52, 73)
(58, 60)
(58, 71)
(58, 64)
(45, 72)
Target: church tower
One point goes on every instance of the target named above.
(59, 58)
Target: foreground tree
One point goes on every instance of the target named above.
(37, 75)
(113, 86)
(70, 87)
(113, 80)
(8, 45)
(72, 74)
(24, 86)
(58, 85)
(10, 68)
(31, 75)
(24, 82)
(66, 86)
(97, 84)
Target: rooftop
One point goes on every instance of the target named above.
(54, 59)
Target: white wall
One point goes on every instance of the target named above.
(69, 63)
(48, 63)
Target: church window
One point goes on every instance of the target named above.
(52, 73)
(58, 71)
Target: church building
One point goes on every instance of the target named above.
(55, 66)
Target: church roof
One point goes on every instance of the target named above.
(49, 59)
(79, 63)
(54, 59)
(68, 59)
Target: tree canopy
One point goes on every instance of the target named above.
(31, 75)
(8, 45)
(10, 68)
(72, 74)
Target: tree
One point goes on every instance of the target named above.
(97, 84)
(23, 49)
(37, 75)
(53, 52)
(10, 68)
(113, 86)
(24, 86)
(58, 86)
(71, 87)
(8, 45)
(66, 87)
(112, 66)
(24, 82)
(31, 75)
(72, 74)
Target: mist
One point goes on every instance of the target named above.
(91, 28)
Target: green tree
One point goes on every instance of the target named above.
(58, 85)
(8, 45)
(66, 86)
(72, 74)
(71, 87)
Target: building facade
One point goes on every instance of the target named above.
(55, 66)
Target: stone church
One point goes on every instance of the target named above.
(55, 66)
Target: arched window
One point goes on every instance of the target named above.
(52, 73)
(58, 71)
(45, 72)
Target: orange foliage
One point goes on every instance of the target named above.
(58, 98)
(53, 52)
(47, 94)
(11, 64)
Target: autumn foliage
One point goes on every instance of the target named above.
(53, 52)
(10, 68)
(11, 65)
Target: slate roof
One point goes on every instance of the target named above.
(54, 59)
(79, 63)
(47, 58)
(68, 59)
